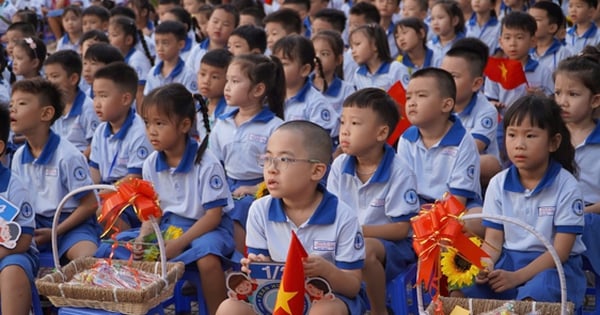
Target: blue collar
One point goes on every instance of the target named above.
(187, 160)
(531, 65)
(150, 25)
(491, 22)
(383, 68)
(554, 47)
(129, 54)
(436, 39)
(188, 45)
(452, 138)
(307, 27)
(47, 152)
(333, 89)
(390, 29)
(426, 63)
(591, 31)
(123, 131)
(301, 95)
(264, 116)
(174, 73)
(77, 106)
(383, 172)
(66, 39)
(204, 44)
(513, 182)
(469, 109)
(325, 213)
(594, 137)
(4, 178)
(220, 108)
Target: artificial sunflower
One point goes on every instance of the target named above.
(152, 252)
(261, 191)
(459, 271)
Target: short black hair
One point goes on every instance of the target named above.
(175, 2)
(334, 17)
(29, 16)
(592, 3)
(379, 101)
(219, 58)
(289, 19)
(26, 29)
(257, 13)
(99, 11)
(4, 125)
(68, 59)
(48, 94)
(182, 16)
(517, 20)
(316, 140)
(172, 27)
(305, 3)
(231, 10)
(473, 51)
(445, 82)
(121, 74)
(553, 11)
(368, 10)
(72, 8)
(124, 11)
(94, 34)
(104, 53)
(254, 36)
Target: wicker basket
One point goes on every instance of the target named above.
(126, 301)
(478, 306)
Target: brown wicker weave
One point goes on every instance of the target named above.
(483, 305)
(126, 301)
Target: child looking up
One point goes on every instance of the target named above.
(71, 23)
(548, 50)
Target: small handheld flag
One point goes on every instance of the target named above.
(509, 73)
(290, 297)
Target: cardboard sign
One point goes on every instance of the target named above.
(260, 288)
(9, 231)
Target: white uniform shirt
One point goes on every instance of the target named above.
(439, 49)
(576, 43)
(64, 43)
(387, 74)
(309, 104)
(480, 118)
(179, 74)
(79, 124)
(140, 63)
(586, 156)
(13, 190)
(488, 33)
(196, 54)
(555, 53)
(336, 93)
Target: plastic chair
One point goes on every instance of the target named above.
(592, 292)
(183, 302)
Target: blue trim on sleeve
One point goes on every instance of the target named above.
(464, 193)
(258, 251)
(27, 230)
(214, 204)
(493, 225)
(134, 170)
(571, 229)
(359, 264)
(403, 218)
(482, 138)
(141, 82)
(94, 164)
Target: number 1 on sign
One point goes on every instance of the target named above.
(273, 272)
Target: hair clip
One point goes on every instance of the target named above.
(29, 41)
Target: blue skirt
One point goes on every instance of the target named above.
(398, 256)
(543, 287)
(239, 213)
(591, 231)
(28, 261)
(88, 230)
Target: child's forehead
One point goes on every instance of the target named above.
(422, 84)
(89, 17)
(70, 14)
(204, 67)
(509, 30)
(222, 14)
(234, 38)
(54, 68)
(164, 36)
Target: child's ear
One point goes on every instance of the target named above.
(129, 40)
(104, 26)
(305, 70)
(447, 105)
(74, 78)
(477, 84)
(455, 21)
(595, 101)
(555, 142)
(181, 44)
(185, 125)
(533, 42)
(255, 51)
(383, 133)
(553, 28)
(127, 99)
(318, 171)
(259, 90)
(47, 113)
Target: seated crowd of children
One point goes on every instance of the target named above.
(208, 101)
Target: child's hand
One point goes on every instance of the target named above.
(251, 258)
(173, 248)
(502, 280)
(483, 275)
(42, 236)
(243, 191)
(138, 248)
(315, 265)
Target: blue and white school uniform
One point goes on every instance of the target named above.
(186, 193)
(489, 33)
(179, 74)
(336, 92)
(149, 43)
(190, 40)
(79, 124)
(138, 60)
(576, 43)
(555, 53)
(554, 206)
(5, 91)
(238, 148)
(65, 43)
(221, 109)
(7, 10)
(391, 39)
(451, 165)
(349, 66)
(13, 190)
(389, 196)
(586, 156)
(387, 74)
(439, 49)
(332, 232)
(480, 119)
(309, 104)
(195, 56)
(405, 60)
(59, 169)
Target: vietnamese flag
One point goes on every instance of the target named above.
(509, 73)
(398, 93)
(290, 297)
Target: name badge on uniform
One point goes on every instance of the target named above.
(9, 231)
(546, 211)
(324, 246)
(257, 138)
(378, 202)
(51, 171)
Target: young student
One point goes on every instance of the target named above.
(329, 48)
(18, 266)
(143, 10)
(411, 39)
(4, 80)
(505, 7)
(329, 19)
(252, 81)
(387, 9)
(540, 190)
(376, 66)
(302, 7)
(577, 92)
(179, 14)
(484, 23)
(77, 121)
(8, 10)
(279, 24)
(302, 100)
(448, 25)
(252, 16)
(144, 43)
(437, 146)
(90, 38)
(52, 167)
(465, 61)
(15, 33)
(201, 18)
(293, 167)
(548, 50)
(318, 6)
(223, 20)
(96, 57)
(119, 145)
(27, 16)
(362, 13)
(95, 18)
(584, 31)
(211, 84)
(170, 37)
(71, 23)
(415, 8)
(124, 35)
(375, 182)
(28, 57)
(247, 39)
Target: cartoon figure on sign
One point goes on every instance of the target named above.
(9, 233)
(240, 287)
(318, 289)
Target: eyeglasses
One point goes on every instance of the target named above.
(266, 161)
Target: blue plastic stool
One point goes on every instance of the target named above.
(183, 303)
(46, 260)
(593, 292)
(402, 295)
(158, 310)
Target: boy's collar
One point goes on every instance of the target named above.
(324, 214)
(531, 65)
(47, 151)
(204, 44)
(187, 160)
(426, 63)
(188, 45)
(120, 135)
(174, 73)
(594, 137)
(452, 138)
(383, 172)
(469, 108)
(591, 31)
(129, 54)
(493, 21)
(554, 47)
(512, 182)
(77, 106)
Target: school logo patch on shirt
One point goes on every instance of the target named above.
(405, 79)
(547, 211)
(471, 171)
(79, 174)
(51, 171)
(359, 241)
(411, 197)
(216, 182)
(325, 115)
(142, 152)
(94, 125)
(323, 246)
(578, 207)
(26, 210)
(486, 122)
(194, 86)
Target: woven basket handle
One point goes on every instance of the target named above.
(530, 229)
(159, 237)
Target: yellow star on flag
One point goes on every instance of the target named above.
(283, 298)
(503, 70)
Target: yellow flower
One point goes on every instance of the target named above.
(460, 272)
(151, 253)
(261, 191)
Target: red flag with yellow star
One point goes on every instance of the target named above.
(398, 93)
(290, 297)
(509, 73)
